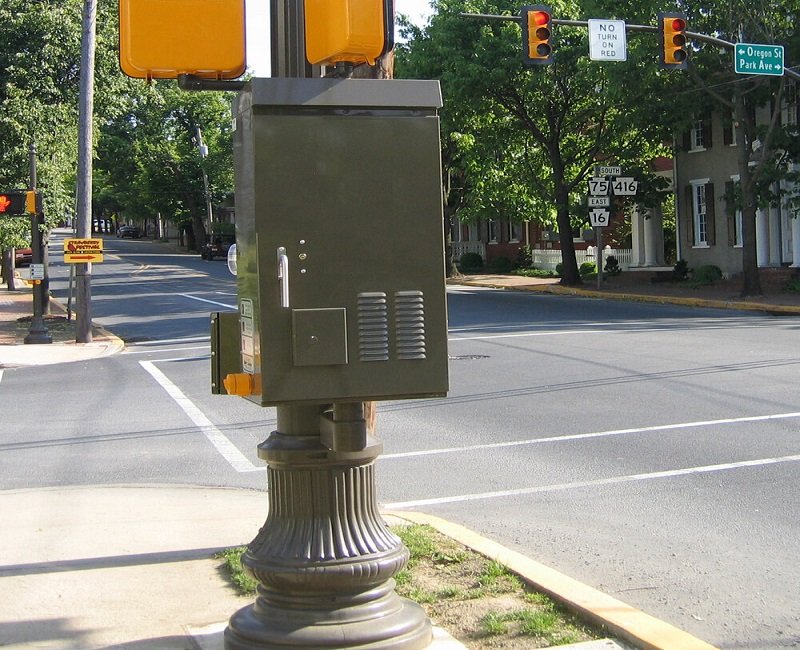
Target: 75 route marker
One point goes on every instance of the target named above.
(599, 186)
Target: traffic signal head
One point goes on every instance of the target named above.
(354, 31)
(536, 34)
(672, 31)
(19, 202)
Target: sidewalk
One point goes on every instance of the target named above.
(638, 286)
(132, 567)
(16, 311)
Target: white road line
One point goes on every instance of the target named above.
(597, 434)
(625, 330)
(596, 483)
(126, 351)
(187, 339)
(1, 375)
(229, 451)
(213, 302)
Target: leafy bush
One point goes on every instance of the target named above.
(587, 268)
(793, 285)
(501, 265)
(681, 270)
(524, 258)
(535, 273)
(612, 265)
(470, 262)
(706, 274)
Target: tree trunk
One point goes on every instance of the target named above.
(570, 275)
(450, 268)
(7, 264)
(751, 282)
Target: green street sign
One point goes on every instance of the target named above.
(749, 58)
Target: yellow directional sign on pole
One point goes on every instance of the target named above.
(81, 251)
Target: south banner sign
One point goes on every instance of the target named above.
(81, 251)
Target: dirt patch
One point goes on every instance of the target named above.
(478, 601)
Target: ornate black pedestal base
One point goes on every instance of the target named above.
(324, 559)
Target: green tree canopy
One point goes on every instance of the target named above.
(526, 140)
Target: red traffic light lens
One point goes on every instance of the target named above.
(4, 202)
(678, 24)
(541, 17)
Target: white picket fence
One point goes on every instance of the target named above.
(548, 259)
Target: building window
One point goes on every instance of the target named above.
(701, 196)
(734, 214)
(491, 231)
(698, 135)
(514, 231)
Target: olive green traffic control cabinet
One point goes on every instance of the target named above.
(340, 250)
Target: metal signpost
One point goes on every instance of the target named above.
(749, 58)
(599, 199)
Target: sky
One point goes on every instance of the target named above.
(257, 17)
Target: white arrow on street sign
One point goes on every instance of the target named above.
(625, 186)
(598, 217)
(598, 201)
(599, 186)
(607, 40)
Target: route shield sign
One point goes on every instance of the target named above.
(624, 186)
(599, 186)
(598, 217)
(749, 58)
(81, 251)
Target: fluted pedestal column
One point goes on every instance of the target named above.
(324, 559)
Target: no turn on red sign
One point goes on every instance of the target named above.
(81, 251)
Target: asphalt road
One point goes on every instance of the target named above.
(651, 451)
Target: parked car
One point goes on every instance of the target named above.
(129, 231)
(23, 256)
(217, 246)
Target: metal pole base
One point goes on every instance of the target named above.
(38, 333)
(324, 559)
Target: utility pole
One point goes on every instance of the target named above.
(83, 272)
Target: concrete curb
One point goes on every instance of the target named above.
(622, 620)
(634, 297)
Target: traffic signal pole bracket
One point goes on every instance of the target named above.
(705, 38)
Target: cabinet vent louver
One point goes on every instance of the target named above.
(373, 327)
(409, 316)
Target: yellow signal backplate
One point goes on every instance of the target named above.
(162, 39)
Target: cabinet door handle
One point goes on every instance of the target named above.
(283, 275)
